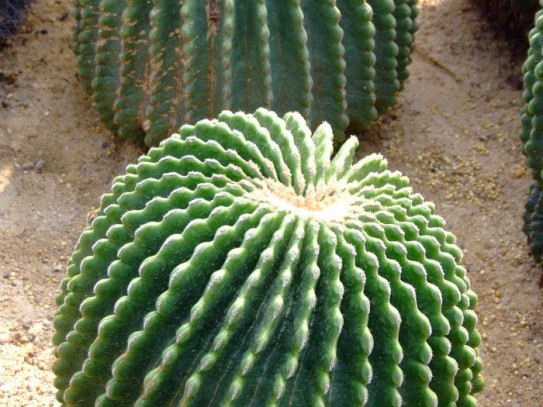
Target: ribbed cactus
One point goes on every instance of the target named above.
(239, 264)
(154, 65)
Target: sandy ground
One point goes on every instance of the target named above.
(454, 134)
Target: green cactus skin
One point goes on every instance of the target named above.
(239, 264)
(151, 66)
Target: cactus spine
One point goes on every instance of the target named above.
(238, 264)
(154, 65)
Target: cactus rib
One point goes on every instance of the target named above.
(222, 271)
(154, 65)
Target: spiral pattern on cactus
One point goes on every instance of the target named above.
(154, 65)
(238, 263)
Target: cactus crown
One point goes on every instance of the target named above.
(239, 264)
(154, 65)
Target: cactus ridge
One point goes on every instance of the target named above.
(151, 66)
(225, 272)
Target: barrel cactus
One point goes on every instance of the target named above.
(237, 263)
(151, 66)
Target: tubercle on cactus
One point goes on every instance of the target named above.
(238, 263)
(152, 66)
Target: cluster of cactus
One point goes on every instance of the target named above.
(11, 14)
(513, 16)
(531, 135)
(237, 263)
(151, 66)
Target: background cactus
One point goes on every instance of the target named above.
(11, 13)
(532, 135)
(237, 263)
(514, 16)
(154, 65)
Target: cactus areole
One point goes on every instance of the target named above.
(151, 66)
(238, 263)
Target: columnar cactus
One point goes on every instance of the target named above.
(154, 65)
(239, 264)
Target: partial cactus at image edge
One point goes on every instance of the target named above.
(531, 136)
(153, 66)
(531, 133)
(239, 263)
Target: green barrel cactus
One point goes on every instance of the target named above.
(151, 66)
(238, 263)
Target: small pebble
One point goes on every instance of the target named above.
(38, 166)
(4, 338)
